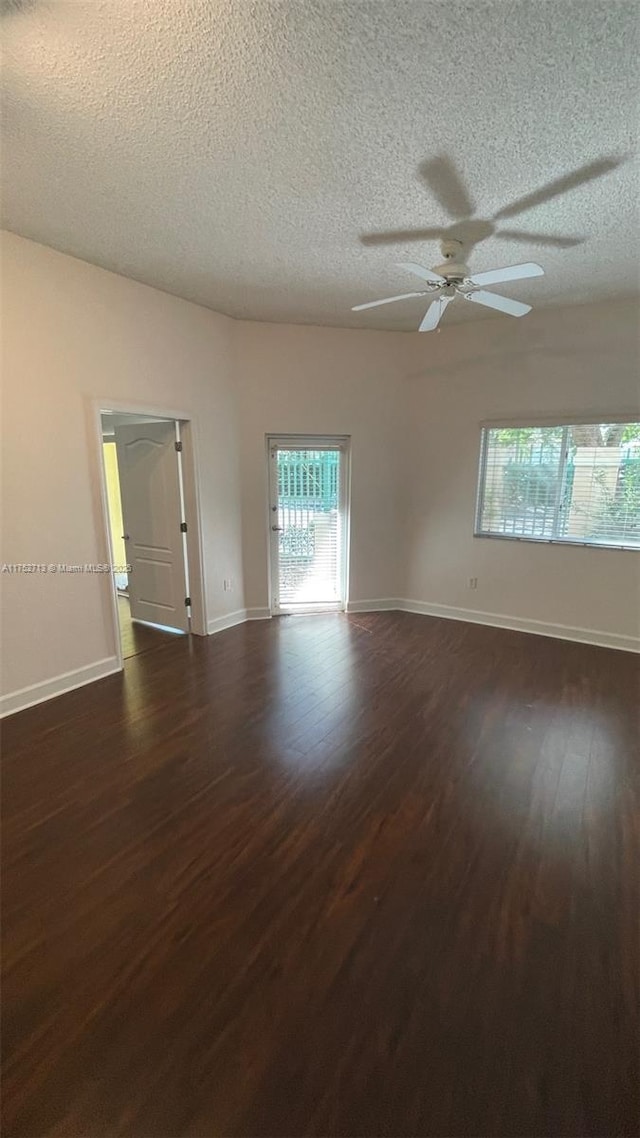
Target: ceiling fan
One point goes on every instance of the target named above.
(452, 279)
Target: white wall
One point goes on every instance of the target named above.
(73, 333)
(412, 405)
(307, 380)
(565, 361)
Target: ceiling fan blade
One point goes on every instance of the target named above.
(400, 236)
(419, 271)
(510, 273)
(502, 303)
(447, 186)
(553, 240)
(434, 313)
(561, 185)
(386, 300)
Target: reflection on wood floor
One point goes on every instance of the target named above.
(330, 875)
(135, 637)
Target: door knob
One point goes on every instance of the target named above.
(125, 537)
(278, 529)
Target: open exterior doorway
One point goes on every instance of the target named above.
(308, 523)
(152, 520)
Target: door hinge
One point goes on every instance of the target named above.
(178, 445)
(183, 527)
(187, 601)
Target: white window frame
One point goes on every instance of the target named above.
(564, 421)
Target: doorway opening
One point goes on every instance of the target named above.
(144, 487)
(308, 523)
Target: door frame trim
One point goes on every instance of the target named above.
(327, 442)
(191, 478)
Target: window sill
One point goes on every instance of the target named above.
(560, 541)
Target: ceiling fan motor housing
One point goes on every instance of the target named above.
(453, 269)
(454, 273)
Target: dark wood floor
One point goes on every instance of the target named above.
(135, 637)
(327, 876)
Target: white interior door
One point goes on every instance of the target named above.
(308, 524)
(152, 514)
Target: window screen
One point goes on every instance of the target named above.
(577, 483)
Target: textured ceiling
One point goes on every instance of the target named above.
(236, 152)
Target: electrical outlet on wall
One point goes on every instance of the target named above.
(472, 583)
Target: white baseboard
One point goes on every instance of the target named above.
(258, 614)
(385, 604)
(49, 689)
(227, 621)
(498, 620)
(237, 617)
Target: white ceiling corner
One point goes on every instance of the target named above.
(235, 153)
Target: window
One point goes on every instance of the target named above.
(572, 483)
